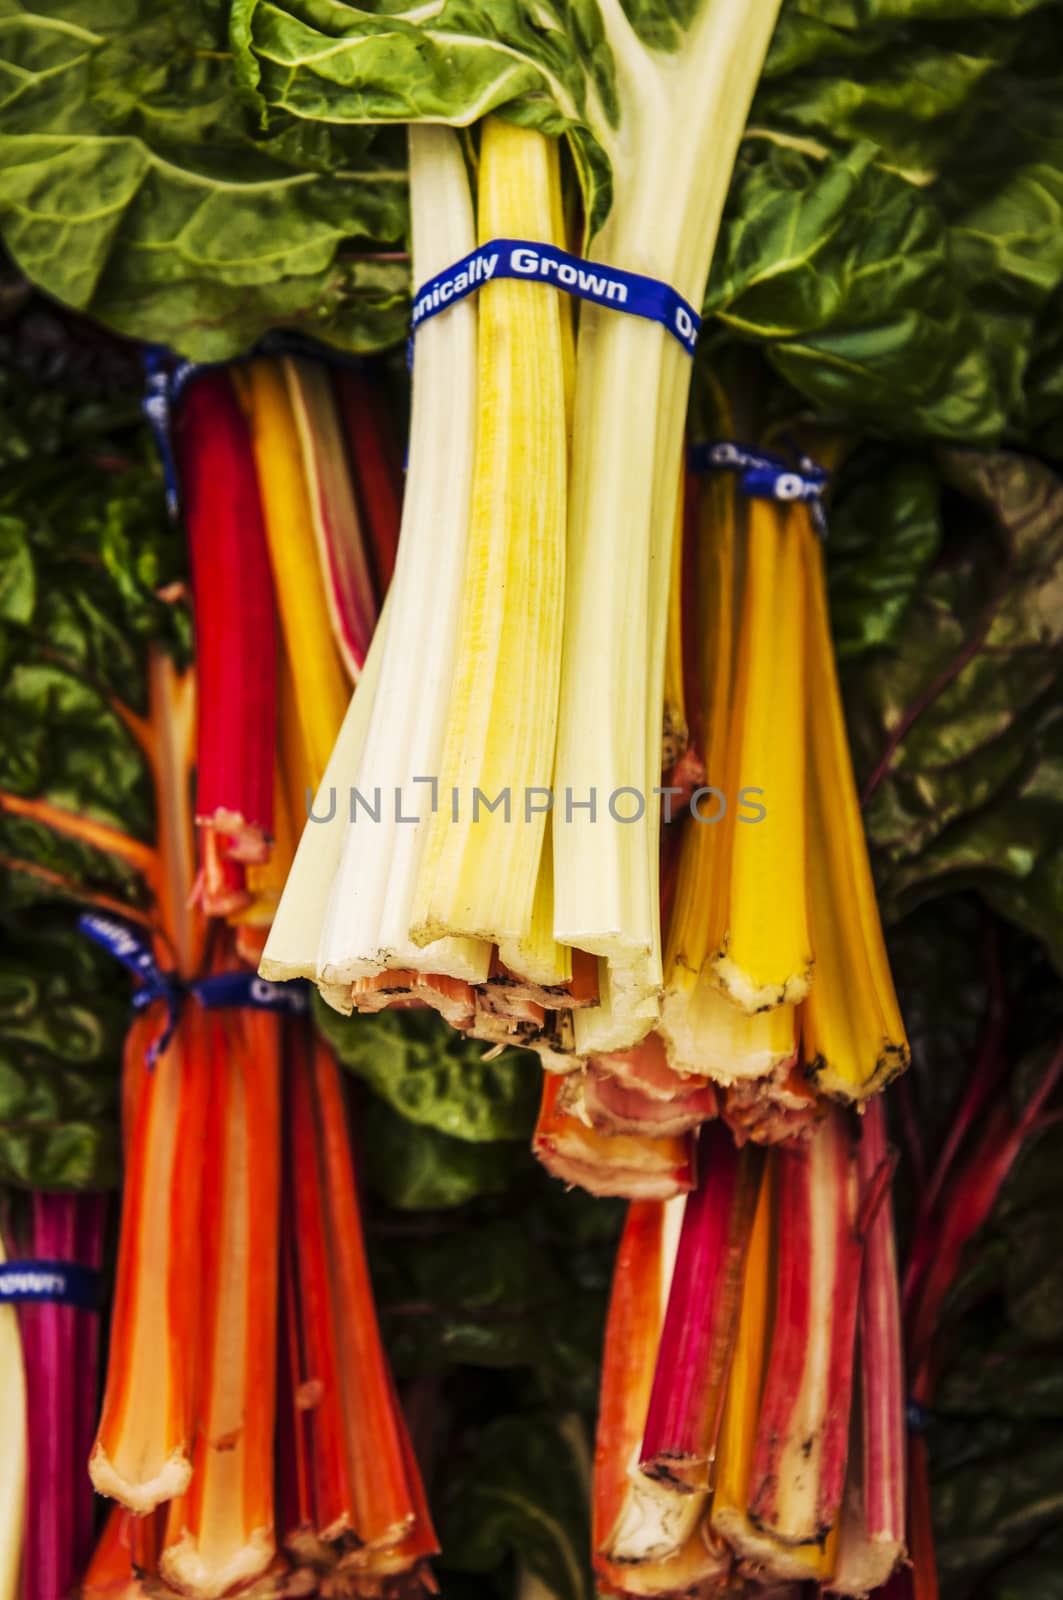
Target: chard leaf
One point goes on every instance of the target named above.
(885, 530)
(523, 1493)
(62, 1021)
(841, 268)
(196, 175)
(413, 1167)
(136, 184)
(955, 720)
(435, 1077)
(86, 545)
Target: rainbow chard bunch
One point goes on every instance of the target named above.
(239, 1421)
(487, 838)
(289, 484)
(752, 1410)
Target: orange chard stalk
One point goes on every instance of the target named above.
(386, 1503)
(632, 1331)
(100, 835)
(220, 1532)
(294, 1482)
(142, 1452)
(634, 1165)
(621, 1510)
(319, 1386)
(112, 1574)
(170, 752)
(366, 1492)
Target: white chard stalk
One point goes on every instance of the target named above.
(672, 154)
(291, 949)
(367, 927)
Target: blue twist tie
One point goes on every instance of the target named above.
(765, 476)
(65, 1283)
(223, 990)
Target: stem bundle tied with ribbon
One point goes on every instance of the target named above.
(220, 990)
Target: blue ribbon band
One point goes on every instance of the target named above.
(223, 990)
(164, 381)
(64, 1283)
(524, 259)
(764, 476)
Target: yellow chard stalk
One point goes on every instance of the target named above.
(480, 866)
(321, 686)
(765, 958)
(704, 1031)
(676, 729)
(853, 1036)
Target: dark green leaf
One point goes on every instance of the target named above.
(956, 719)
(182, 220)
(434, 1076)
(522, 1493)
(63, 1014)
(413, 1167)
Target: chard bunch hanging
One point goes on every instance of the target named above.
(743, 1436)
(557, 657)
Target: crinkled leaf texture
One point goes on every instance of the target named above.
(86, 545)
(137, 184)
(954, 697)
(197, 174)
(891, 235)
(62, 1020)
(436, 1077)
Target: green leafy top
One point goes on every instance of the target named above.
(197, 174)
(138, 185)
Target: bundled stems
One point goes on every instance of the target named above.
(220, 1532)
(365, 1496)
